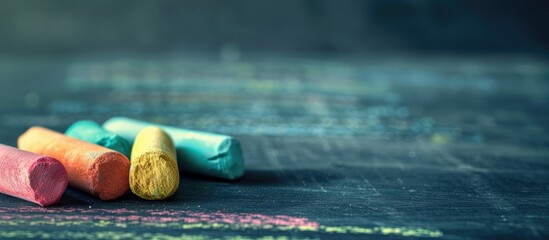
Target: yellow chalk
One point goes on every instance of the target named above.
(154, 174)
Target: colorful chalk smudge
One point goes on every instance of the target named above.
(32, 222)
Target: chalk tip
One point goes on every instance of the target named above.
(99, 136)
(154, 176)
(48, 179)
(230, 158)
(116, 143)
(110, 175)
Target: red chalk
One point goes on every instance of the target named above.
(35, 178)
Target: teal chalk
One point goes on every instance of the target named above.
(92, 132)
(199, 152)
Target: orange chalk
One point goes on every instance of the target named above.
(91, 168)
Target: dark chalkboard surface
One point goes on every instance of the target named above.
(453, 148)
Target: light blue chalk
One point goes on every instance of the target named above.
(92, 132)
(205, 153)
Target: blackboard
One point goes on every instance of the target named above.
(424, 147)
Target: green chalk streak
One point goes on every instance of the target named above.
(384, 230)
(92, 132)
(402, 231)
(199, 152)
(123, 235)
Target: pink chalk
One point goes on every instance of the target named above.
(35, 178)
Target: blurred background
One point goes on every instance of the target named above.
(281, 27)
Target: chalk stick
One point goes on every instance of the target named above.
(92, 132)
(32, 177)
(91, 168)
(153, 171)
(199, 152)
